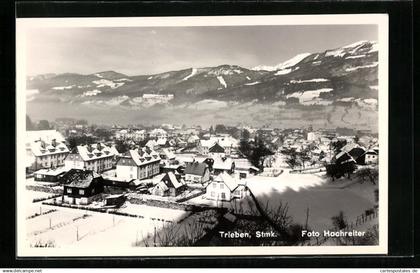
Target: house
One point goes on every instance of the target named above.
(49, 175)
(45, 155)
(81, 186)
(197, 172)
(245, 168)
(343, 158)
(224, 188)
(169, 185)
(228, 143)
(223, 164)
(152, 144)
(371, 157)
(357, 154)
(193, 139)
(96, 157)
(139, 135)
(122, 134)
(158, 134)
(141, 163)
(216, 149)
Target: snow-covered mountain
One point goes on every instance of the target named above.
(341, 76)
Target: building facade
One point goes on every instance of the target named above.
(96, 157)
(139, 164)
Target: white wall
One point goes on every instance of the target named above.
(126, 172)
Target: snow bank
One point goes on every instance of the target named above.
(309, 95)
(283, 72)
(356, 57)
(252, 83)
(63, 87)
(346, 99)
(91, 93)
(293, 61)
(312, 80)
(363, 66)
(193, 72)
(222, 81)
(103, 83)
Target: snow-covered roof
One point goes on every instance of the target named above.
(54, 172)
(168, 154)
(151, 143)
(96, 151)
(157, 131)
(244, 164)
(144, 155)
(161, 141)
(170, 181)
(228, 180)
(222, 163)
(79, 178)
(40, 148)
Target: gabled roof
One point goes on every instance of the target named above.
(143, 156)
(171, 181)
(344, 157)
(96, 151)
(228, 180)
(79, 178)
(356, 152)
(216, 148)
(41, 148)
(195, 168)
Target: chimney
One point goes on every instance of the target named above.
(54, 142)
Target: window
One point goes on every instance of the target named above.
(222, 186)
(214, 185)
(212, 194)
(81, 192)
(223, 195)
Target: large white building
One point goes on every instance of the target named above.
(139, 164)
(45, 149)
(96, 157)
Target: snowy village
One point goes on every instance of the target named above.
(176, 185)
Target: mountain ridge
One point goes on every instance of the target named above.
(342, 76)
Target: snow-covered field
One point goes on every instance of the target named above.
(299, 192)
(69, 227)
(149, 212)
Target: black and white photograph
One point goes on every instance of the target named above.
(233, 135)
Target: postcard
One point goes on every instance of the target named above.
(202, 136)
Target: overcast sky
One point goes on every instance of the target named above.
(150, 50)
